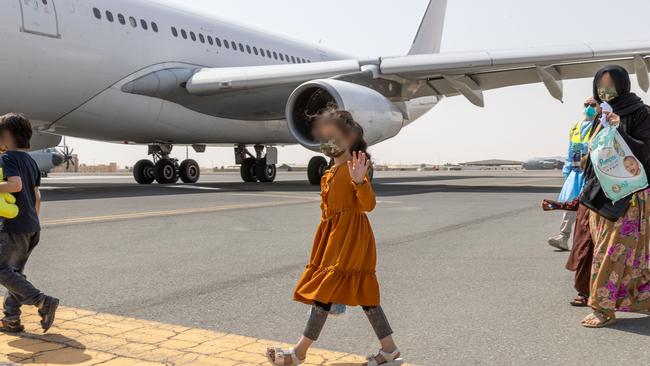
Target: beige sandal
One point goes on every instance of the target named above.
(280, 356)
(604, 320)
(390, 357)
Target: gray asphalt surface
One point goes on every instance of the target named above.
(466, 275)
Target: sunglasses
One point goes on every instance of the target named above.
(591, 105)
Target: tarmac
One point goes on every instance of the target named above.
(466, 275)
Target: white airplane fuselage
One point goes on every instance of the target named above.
(64, 68)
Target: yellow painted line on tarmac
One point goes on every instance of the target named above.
(167, 213)
(81, 337)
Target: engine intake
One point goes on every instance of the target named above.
(378, 116)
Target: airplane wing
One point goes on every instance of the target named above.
(260, 92)
(444, 74)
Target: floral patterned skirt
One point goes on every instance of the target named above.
(620, 273)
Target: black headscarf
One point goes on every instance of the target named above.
(626, 102)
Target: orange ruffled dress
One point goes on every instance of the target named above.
(341, 269)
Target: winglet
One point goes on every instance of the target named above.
(429, 36)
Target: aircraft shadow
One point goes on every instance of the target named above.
(384, 187)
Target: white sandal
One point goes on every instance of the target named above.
(389, 357)
(281, 354)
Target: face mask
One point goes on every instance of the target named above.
(590, 112)
(607, 93)
(332, 148)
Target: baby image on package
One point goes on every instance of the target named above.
(619, 172)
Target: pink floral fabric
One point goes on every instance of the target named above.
(620, 273)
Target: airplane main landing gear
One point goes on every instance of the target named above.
(259, 167)
(165, 170)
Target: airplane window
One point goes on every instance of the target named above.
(144, 24)
(218, 41)
(241, 47)
(286, 57)
(262, 52)
(275, 55)
(201, 38)
(174, 31)
(121, 18)
(255, 51)
(268, 53)
(248, 49)
(226, 43)
(98, 14)
(298, 60)
(210, 41)
(281, 57)
(109, 16)
(293, 59)
(133, 22)
(184, 33)
(234, 45)
(154, 26)
(193, 36)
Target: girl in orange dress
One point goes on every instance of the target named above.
(341, 269)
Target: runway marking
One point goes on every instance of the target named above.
(90, 338)
(166, 213)
(89, 177)
(200, 188)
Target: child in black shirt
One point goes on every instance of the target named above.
(20, 235)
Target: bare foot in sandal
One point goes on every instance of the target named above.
(597, 320)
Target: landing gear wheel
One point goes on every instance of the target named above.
(265, 173)
(143, 172)
(316, 169)
(165, 171)
(248, 170)
(189, 171)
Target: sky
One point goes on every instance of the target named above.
(517, 123)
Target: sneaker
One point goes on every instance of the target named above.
(47, 311)
(11, 326)
(560, 242)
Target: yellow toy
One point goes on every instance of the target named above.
(8, 208)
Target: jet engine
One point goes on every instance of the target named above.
(378, 116)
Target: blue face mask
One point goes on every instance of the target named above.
(590, 112)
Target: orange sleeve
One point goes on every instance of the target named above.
(365, 195)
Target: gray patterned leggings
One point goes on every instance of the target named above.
(320, 312)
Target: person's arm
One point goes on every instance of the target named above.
(37, 203)
(568, 162)
(365, 195)
(12, 185)
(359, 167)
(638, 138)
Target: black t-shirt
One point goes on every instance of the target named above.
(20, 164)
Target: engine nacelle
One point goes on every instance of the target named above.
(378, 116)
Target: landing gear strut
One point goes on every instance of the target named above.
(164, 169)
(259, 167)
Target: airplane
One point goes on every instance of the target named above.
(143, 72)
(544, 164)
(47, 159)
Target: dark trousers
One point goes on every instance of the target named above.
(15, 250)
(582, 252)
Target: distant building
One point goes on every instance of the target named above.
(492, 164)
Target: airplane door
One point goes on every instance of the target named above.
(39, 17)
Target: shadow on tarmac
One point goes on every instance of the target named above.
(384, 187)
(72, 353)
(639, 326)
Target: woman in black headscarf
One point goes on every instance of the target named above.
(620, 278)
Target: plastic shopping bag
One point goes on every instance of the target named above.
(618, 171)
